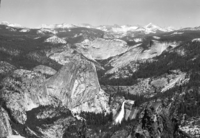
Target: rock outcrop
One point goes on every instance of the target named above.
(44, 70)
(55, 40)
(100, 49)
(21, 92)
(137, 53)
(73, 86)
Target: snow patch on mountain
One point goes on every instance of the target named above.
(151, 28)
(124, 29)
(86, 25)
(64, 25)
(128, 29)
(170, 29)
(177, 33)
(15, 25)
(11, 25)
(45, 30)
(54, 26)
(103, 28)
(24, 30)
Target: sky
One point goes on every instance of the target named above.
(33, 13)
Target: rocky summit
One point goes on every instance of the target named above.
(82, 81)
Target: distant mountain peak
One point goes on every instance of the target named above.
(53, 26)
(150, 25)
(152, 28)
(4, 23)
(10, 25)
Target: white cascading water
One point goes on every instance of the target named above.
(121, 114)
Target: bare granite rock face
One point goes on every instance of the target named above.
(55, 40)
(101, 49)
(44, 70)
(61, 55)
(75, 84)
(22, 91)
(72, 87)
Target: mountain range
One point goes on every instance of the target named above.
(116, 28)
(109, 81)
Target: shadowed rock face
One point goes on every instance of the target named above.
(5, 128)
(151, 122)
(159, 120)
(57, 129)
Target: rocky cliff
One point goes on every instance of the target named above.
(74, 87)
(146, 84)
